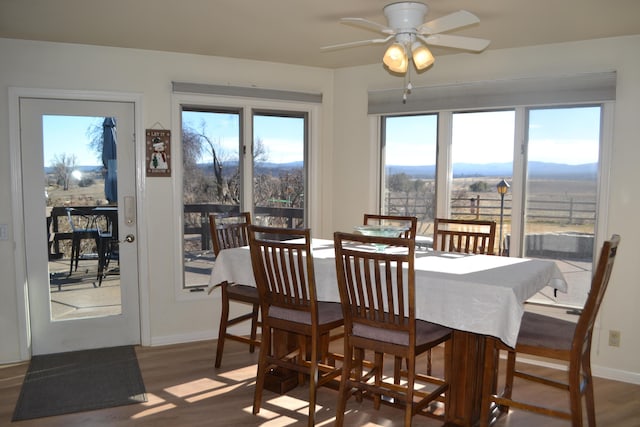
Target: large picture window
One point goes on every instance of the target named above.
(549, 156)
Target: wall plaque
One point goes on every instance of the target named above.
(158, 149)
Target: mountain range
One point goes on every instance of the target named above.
(536, 170)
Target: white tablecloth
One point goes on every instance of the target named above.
(482, 294)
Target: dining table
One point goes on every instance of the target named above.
(477, 296)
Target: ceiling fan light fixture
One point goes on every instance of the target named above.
(422, 56)
(396, 58)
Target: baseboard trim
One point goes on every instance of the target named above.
(184, 338)
(597, 371)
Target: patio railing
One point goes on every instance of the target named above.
(196, 222)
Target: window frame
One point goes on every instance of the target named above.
(247, 107)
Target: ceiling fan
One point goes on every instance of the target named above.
(405, 24)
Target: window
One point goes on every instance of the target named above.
(548, 155)
(210, 182)
(481, 156)
(279, 178)
(409, 168)
(238, 155)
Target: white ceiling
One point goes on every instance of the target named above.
(292, 31)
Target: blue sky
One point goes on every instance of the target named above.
(282, 136)
(569, 136)
(67, 135)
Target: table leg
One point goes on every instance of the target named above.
(466, 371)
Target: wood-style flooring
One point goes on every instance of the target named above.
(184, 389)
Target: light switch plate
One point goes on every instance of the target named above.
(4, 231)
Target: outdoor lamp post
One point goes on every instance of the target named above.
(502, 186)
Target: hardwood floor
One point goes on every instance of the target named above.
(184, 389)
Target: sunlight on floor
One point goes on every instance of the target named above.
(152, 402)
(239, 375)
(194, 387)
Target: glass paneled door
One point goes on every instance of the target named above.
(563, 150)
(80, 224)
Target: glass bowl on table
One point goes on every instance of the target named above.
(380, 230)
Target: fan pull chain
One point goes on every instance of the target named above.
(407, 84)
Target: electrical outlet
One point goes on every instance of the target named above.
(614, 338)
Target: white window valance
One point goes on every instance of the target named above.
(533, 91)
(246, 92)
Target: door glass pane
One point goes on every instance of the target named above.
(482, 156)
(81, 216)
(563, 151)
(409, 165)
(279, 169)
(211, 183)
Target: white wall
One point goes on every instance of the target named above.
(355, 141)
(348, 152)
(29, 64)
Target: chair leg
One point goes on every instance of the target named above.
(313, 380)
(397, 368)
(104, 252)
(265, 349)
(254, 326)
(359, 358)
(379, 366)
(224, 318)
(344, 390)
(411, 377)
(75, 254)
(575, 395)
(590, 401)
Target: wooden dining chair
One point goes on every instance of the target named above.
(283, 269)
(230, 230)
(411, 222)
(377, 291)
(465, 236)
(556, 339)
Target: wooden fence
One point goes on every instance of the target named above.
(568, 211)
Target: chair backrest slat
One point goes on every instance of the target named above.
(466, 236)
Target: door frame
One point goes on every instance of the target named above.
(22, 295)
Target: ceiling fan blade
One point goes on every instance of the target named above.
(449, 22)
(370, 25)
(357, 43)
(456, 42)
